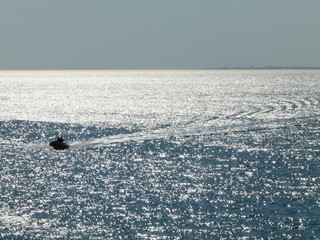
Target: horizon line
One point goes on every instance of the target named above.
(177, 69)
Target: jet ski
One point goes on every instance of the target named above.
(59, 144)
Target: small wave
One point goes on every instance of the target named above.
(269, 109)
(284, 108)
(312, 102)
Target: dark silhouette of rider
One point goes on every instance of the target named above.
(59, 144)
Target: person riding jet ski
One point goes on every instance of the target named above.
(59, 144)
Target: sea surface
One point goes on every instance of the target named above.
(230, 154)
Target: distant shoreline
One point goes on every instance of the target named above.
(264, 68)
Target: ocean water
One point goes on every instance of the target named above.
(160, 154)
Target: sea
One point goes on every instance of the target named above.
(160, 154)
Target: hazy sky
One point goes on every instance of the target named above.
(119, 34)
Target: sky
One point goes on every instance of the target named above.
(150, 34)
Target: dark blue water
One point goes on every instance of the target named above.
(250, 173)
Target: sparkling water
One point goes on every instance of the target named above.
(160, 154)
